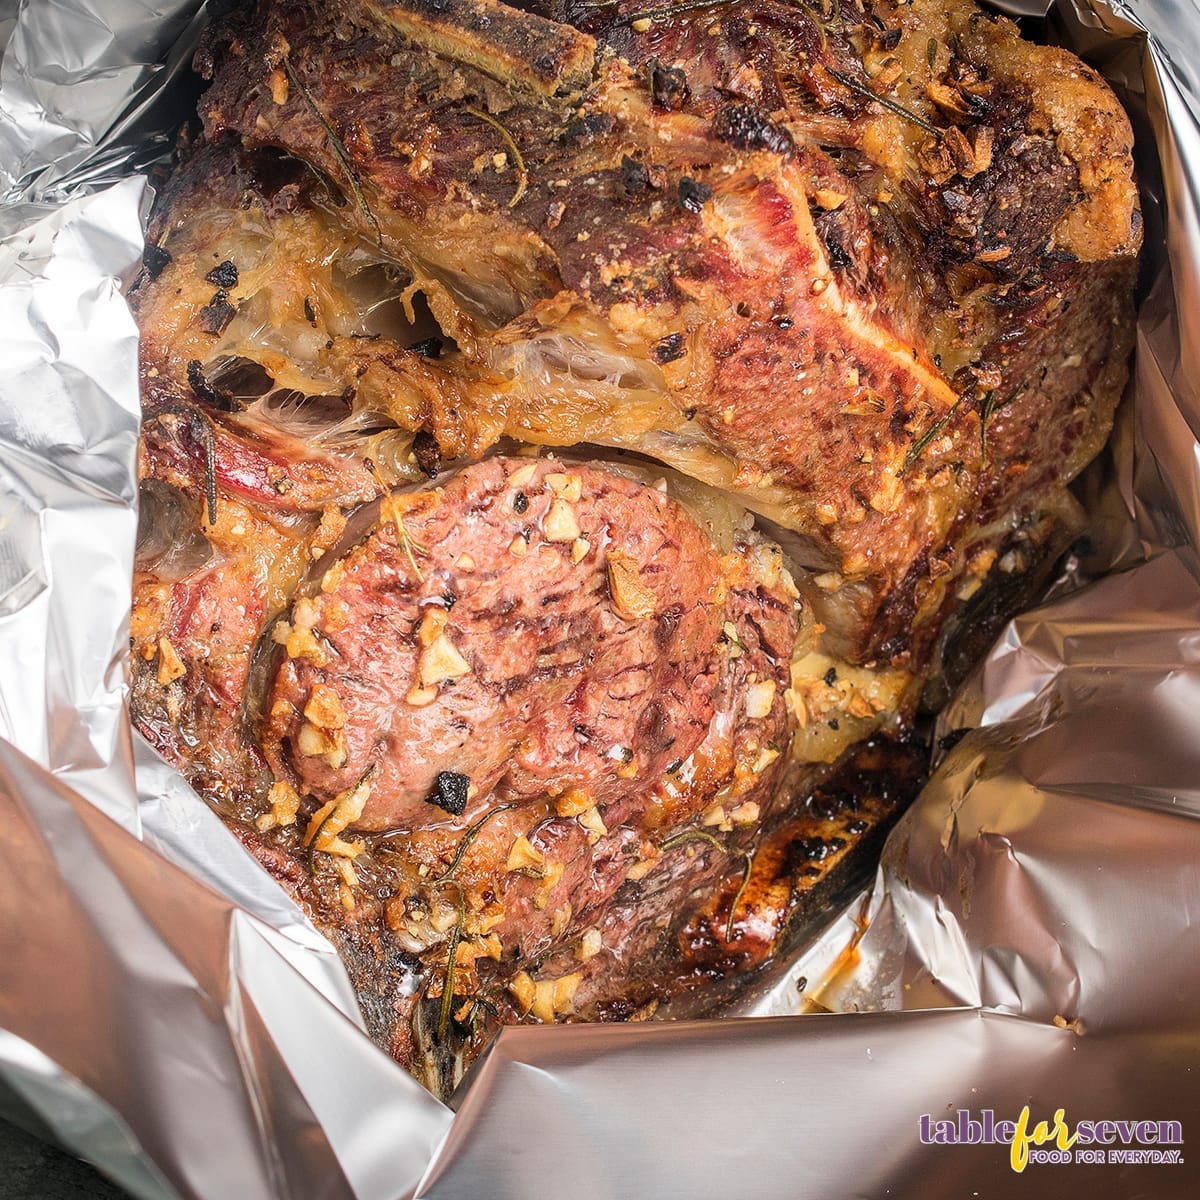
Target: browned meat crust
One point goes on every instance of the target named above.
(912, 225)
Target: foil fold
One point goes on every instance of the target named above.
(1029, 939)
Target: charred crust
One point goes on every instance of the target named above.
(450, 792)
(668, 86)
(693, 195)
(635, 177)
(589, 128)
(427, 452)
(224, 275)
(215, 316)
(430, 347)
(205, 390)
(668, 349)
(155, 259)
(747, 127)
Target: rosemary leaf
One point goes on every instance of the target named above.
(522, 174)
(850, 82)
(918, 447)
(468, 838)
(336, 145)
(210, 473)
(447, 1005)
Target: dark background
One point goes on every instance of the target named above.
(31, 1169)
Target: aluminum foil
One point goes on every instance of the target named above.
(1030, 940)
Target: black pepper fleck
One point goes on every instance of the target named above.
(831, 677)
(521, 502)
(747, 127)
(635, 178)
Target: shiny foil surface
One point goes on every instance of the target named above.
(1030, 941)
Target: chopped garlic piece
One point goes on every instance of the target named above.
(432, 623)
(593, 823)
(313, 742)
(170, 665)
(559, 524)
(564, 991)
(632, 599)
(284, 801)
(760, 698)
(573, 802)
(523, 989)
(327, 822)
(830, 200)
(523, 855)
(590, 944)
(522, 475)
(441, 662)
(419, 696)
(745, 814)
(543, 1001)
(324, 708)
(568, 487)
(559, 920)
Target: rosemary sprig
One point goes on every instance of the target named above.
(522, 174)
(409, 544)
(210, 473)
(472, 1017)
(311, 840)
(917, 448)
(456, 934)
(991, 407)
(698, 835)
(468, 838)
(985, 415)
(336, 145)
(848, 81)
(737, 896)
(406, 541)
(674, 10)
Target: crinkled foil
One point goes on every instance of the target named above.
(1031, 938)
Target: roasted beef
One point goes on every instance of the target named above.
(870, 269)
(563, 737)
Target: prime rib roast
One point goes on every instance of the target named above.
(579, 440)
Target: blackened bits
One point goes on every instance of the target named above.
(693, 194)
(450, 792)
